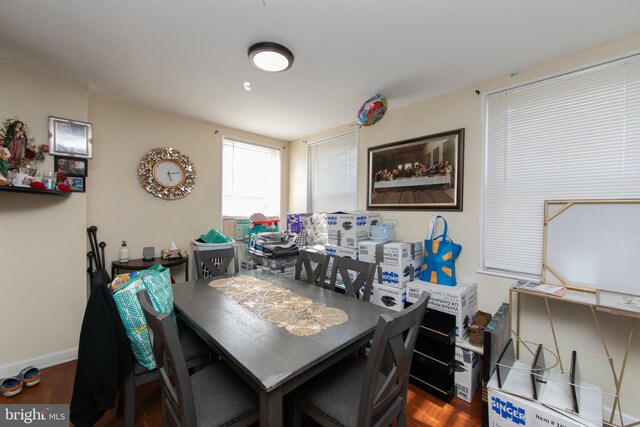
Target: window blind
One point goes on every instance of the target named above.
(250, 179)
(576, 136)
(333, 170)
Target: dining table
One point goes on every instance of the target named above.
(270, 346)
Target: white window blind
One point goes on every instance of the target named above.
(333, 170)
(250, 179)
(575, 136)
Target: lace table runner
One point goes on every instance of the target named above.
(297, 314)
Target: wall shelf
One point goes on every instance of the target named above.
(34, 191)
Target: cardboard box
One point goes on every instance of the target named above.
(467, 373)
(236, 227)
(508, 410)
(348, 228)
(333, 251)
(396, 276)
(295, 222)
(460, 300)
(398, 262)
(388, 296)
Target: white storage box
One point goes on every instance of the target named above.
(334, 251)
(467, 373)
(396, 276)
(390, 297)
(398, 263)
(460, 300)
(508, 410)
(348, 228)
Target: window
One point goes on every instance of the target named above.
(576, 136)
(333, 170)
(250, 179)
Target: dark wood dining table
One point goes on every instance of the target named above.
(268, 357)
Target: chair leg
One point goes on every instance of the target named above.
(402, 417)
(297, 414)
(129, 401)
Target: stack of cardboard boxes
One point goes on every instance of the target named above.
(345, 231)
(397, 264)
(462, 302)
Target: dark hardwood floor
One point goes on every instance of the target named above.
(422, 408)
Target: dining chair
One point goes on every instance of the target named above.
(196, 354)
(355, 393)
(214, 262)
(213, 396)
(364, 272)
(316, 276)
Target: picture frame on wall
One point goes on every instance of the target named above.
(70, 166)
(76, 184)
(422, 173)
(70, 137)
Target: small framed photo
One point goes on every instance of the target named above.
(76, 183)
(70, 137)
(70, 166)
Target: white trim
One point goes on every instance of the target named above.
(507, 275)
(39, 362)
(320, 141)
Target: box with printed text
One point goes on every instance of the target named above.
(348, 228)
(460, 300)
(341, 251)
(398, 263)
(508, 410)
(388, 296)
(467, 373)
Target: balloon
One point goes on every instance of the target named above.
(372, 110)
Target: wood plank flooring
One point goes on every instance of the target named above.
(422, 408)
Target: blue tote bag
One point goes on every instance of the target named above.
(440, 253)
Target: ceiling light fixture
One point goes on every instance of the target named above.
(270, 57)
(247, 86)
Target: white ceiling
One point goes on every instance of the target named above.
(190, 57)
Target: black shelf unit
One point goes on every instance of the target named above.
(433, 365)
(12, 189)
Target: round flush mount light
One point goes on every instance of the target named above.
(270, 57)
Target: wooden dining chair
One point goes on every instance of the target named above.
(364, 272)
(214, 262)
(196, 354)
(213, 396)
(316, 276)
(355, 393)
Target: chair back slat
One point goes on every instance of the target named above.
(175, 384)
(393, 343)
(364, 276)
(213, 262)
(315, 275)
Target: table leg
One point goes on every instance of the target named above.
(271, 408)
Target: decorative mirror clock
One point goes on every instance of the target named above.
(167, 173)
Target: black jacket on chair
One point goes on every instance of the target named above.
(105, 358)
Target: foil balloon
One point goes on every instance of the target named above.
(372, 110)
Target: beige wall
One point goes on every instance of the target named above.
(42, 290)
(463, 109)
(44, 281)
(123, 210)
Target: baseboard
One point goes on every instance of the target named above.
(39, 362)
